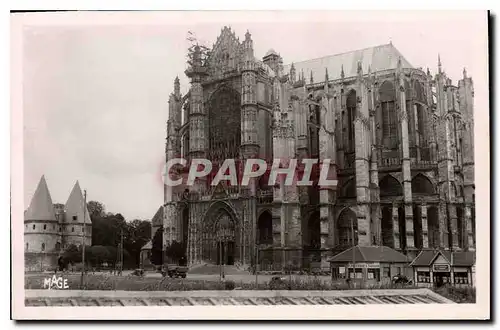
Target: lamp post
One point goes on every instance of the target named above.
(83, 236)
(353, 254)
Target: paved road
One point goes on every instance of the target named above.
(238, 278)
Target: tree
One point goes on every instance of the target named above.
(72, 254)
(96, 209)
(138, 234)
(98, 254)
(157, 247)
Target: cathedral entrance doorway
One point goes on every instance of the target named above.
(226, 253)
(220, 236)
(224, 227)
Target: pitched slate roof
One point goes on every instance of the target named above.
(74, 206)
(370, 254)
(463, 258)
(41, 207)
(378, 58)
(158, 218)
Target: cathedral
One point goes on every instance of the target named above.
(401, 141)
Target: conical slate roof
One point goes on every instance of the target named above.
(75, 206)
(41, 207)
(158, 218)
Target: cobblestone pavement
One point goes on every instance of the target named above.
(213, 298)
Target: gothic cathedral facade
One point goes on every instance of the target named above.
(401, 141)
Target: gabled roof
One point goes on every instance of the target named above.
(75, 206)
(379, 58)
(462, 258)
(370, 254)
(41, 207)
(158, 218)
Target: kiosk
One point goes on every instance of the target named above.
(438, 268)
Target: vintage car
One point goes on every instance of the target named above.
(173, 270)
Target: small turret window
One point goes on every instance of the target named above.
(43, 246)
(73, 229)
(59, 228)
(27, 246)
(44, 227)
(34, 226)
(75, 217)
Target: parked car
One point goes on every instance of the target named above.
(173, 270)
(400, 279)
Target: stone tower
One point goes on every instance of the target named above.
(41, 232)
(50, 228)
(76, 215)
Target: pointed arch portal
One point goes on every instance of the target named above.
(348, 227)
(220, 235)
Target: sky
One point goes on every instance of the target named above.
(96, 88)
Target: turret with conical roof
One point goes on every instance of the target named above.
(41, 228)
(41, 207)
(76, 214)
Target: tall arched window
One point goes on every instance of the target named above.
(265, 228)
(351, 112)
(389, 117)
(433, 226)
(422, 123)
(420, 184)
(224, 123)
(390, 186)
(348, 227)
(387, 227)
(349, 189)
(43, 246)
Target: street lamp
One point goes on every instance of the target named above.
(83, 236)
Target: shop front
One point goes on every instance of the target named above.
(369, 264)
(438, 268)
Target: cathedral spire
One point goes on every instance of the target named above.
(465, 73)
(439, 64)
(177, 87)
(360, 69)
(326, 80)
(312, 78)
(292, 73)
(342, 75)
(248, 36)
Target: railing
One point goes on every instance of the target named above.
(265, 196)
(417, 162)
(389, 162)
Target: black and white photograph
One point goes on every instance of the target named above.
(264, 159)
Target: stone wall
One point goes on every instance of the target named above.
(39, 262)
